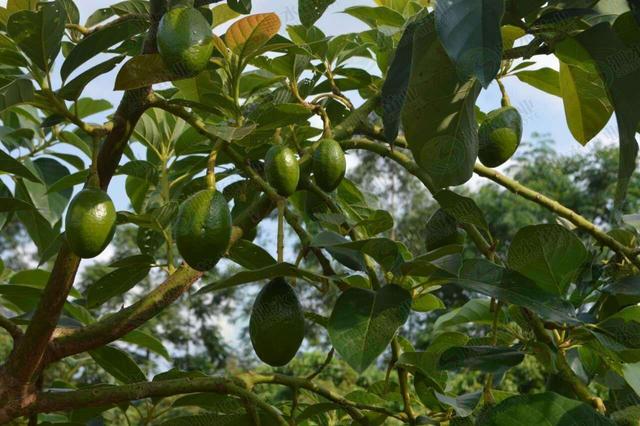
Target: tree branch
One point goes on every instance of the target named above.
(14, 331)
(26, 359)
(562, 211)
(46, 402)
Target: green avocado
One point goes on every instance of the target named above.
(328, 164)
(282, 170)
(499, 136)
(276, 325)
(442, 230)
(90, 222)
(184, 40)
(203, 229)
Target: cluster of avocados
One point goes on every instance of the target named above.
(276, 326)
(204, 222)
(499, 136)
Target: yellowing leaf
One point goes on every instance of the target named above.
(249, 34)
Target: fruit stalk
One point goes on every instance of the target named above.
(280, 248)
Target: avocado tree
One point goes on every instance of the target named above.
(217, 129)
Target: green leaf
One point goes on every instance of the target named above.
(10, 204)
(231, 133)
(470, 33)
(463, 405)
(240, 6)
(394, 89)
(547, 408)
(585, 99)
(545, 79)
(427, 302)
(310, 11)
(254, 275)
(145, 70)
(463, 209)
(68, 181)
(249, 255)
(73, 89)
(376, 16)
(114, 283)
(100, 40)
(477, 311)
(8, 164)
(147, 341)
(488, 359)
(600, 40)
(51, 205)
(13, 6)
(511, 287)
(138, 260)
(39, 33)
(118, 363)
(548, 254)
(247, 35)
(86, 107)
(383, 250)
(363, 322)
(439, 115)
(19, 91)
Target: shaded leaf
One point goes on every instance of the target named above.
(100, 40)
(363, 322)
(118, 363)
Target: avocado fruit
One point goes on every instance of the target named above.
(184, 40)
(499, 136)
(282, 170)
(276, 326)
(203, 229)
(328, 164)
(90, 222)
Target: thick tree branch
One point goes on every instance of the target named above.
(47, 402)
(26, 359)
(14, 331)
(579, 221)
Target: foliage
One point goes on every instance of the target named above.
(543, 282)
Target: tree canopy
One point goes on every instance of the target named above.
(229, 121)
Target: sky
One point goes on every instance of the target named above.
(541, 112)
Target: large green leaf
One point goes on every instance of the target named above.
(13, 6)
(383, 250)
(147, 341)
(477, 311)
(547, 408)
(489, 359)
(545, 79)
(363, 322)
(100, 40)
(511, 287)
(462, 208)
(548, 254)
(73, 89)
(8, 164)
(586, 104)
(255, 275)
(240, 6)
(622, 82)
(49, 204)
(470, 33)
(310, 11)
(438, 115)
(114, 283)
(19, 91)
(39, 33)
(118, 363)
(247, 35)
(375, 17)
(394, 89)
